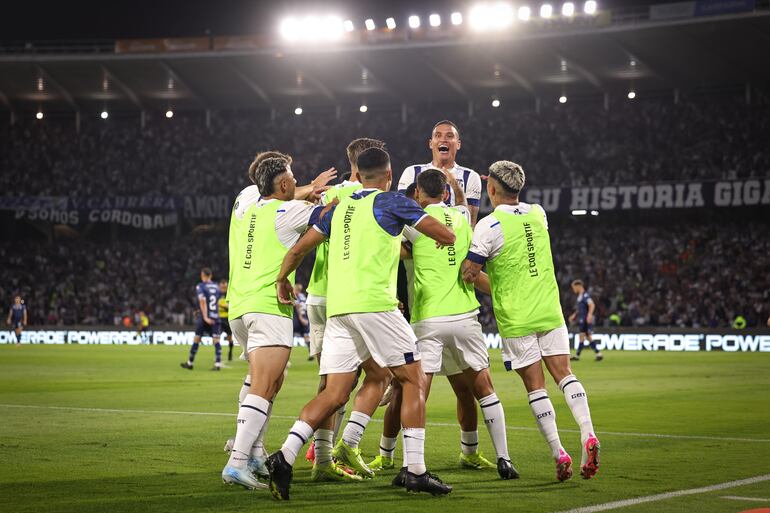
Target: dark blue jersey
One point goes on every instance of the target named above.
(209, 292)
(17, 312)
(583, 300)
(392, 210)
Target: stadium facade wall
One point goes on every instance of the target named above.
(618, 339)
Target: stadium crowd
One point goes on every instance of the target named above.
(702, 275)
(575, 144)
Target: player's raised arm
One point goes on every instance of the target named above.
(312, 190)
(457, 190)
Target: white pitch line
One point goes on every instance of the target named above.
(752, 499)
(670, 495)
(435, 424)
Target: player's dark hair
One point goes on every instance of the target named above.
(206, 271)
(409, 192)
(578, 282)
(445, 122)
(259, 157)
(372, 162)
(267, 171)
(433, 182)
(223, 280)
(358, 146)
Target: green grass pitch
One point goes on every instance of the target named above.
(102, 429)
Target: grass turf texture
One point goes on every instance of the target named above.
(80, 460)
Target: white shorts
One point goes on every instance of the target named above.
(351, 339)
(523, 351)
(316, 314)
(448, 347)
(253, 330)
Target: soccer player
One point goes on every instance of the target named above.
(514, 243)
(309, 192)
(449, 337)
(364, 327)
(444, 144)
(317, 286)
(17, 317)
(584, 315)
(299, 318)
(265, 223)
(208, 320)
(223, 317)
(142, 325)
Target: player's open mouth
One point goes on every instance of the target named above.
(443, 148)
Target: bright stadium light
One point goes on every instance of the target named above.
(631, 94)
(524, 13)
(502, 15)
(391, 23)
(414, 21)
(485, 16)
(290, 29)
(39, 115)
(495, 103)
(568, 9)
(589, 7)
(104, 114)
(434, 20)
(298, 111)
(563, 99)
(546, 11)
(594, 212)
(363, 108)
(456, 18)
(332, 28)
(169, 113)
(369, 23)
(348, 24)
(579, 212)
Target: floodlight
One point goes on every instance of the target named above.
(104, 114)
(434, 20)
(169, 113)
(495, 103)
(39, 115)
(348, 24)
(631, 94)
(391, 23)
(298, 111)
(524, 13)
(457, 18)
(290, 29)
(370, 24)
(546, 11)
(363, 108)
(589, 7)
(568, 9)
(563, 99)
(414, 22)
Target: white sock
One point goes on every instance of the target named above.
(323, 446)
(545, 416)
(298, 436)
(469, 442)
(494, 418)
(414, 448)
(340, 416)
(251, 417)
(577, 400)
(258, 447)
(244, 390)
(354, 429)
(387, 446)
(404, 458)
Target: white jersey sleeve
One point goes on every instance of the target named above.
(473, 189)
(487, 239)
(464, 211)
(407, 178)
(292, 220)
(411, 234)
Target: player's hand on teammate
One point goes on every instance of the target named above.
(285, 291)
(328, 207)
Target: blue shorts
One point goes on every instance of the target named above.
(15, 325)
(201, 328)
(584, 327)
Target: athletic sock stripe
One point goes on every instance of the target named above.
(569, 383)
(469, 445)
(246, 384)
(490, 404)
(356, 423)
(304, 441)
(386, 449)
(538, 399)
(253, 408)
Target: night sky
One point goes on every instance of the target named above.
(48, 20)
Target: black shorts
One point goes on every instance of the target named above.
(17, 325)
(225, 324)
(584, 327)
(201, 328)
(301, 329)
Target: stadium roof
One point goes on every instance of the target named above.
(223, 73)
